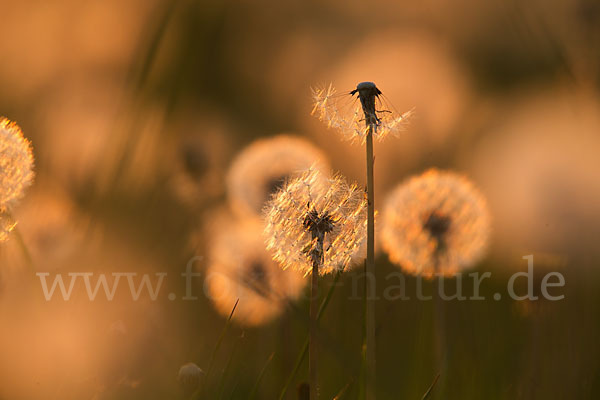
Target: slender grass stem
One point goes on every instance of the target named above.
(252, 395)
(370, 291)
(225, 372)
(343, 391)
(428, 392)
(313, 346)
(304, 349)
(202, 388)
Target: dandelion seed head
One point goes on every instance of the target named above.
(437, 217)
(310, 208)
(354, 120)
(16, 163)
(415, 70)
(241, 268)
(262, 168)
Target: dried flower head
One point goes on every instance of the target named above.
(16, 163)
(353, 119)
(314, 216)
(437, 222)
(189, 377)
(241, 268)
(262, 168)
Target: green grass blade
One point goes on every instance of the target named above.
(260, 376)
(343, 391)
(304, 349)
(225, 373)
(214, 353)
(428, 392)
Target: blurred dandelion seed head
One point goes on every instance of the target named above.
(437, 217)
(263, 167)
(189, 377)
(312, 210)
(16, 163)
(353, 120)
(241, 268)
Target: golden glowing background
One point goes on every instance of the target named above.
(137, 109)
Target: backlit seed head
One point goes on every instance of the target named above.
(354, 120)
(435, 222)
(241, 268)
(263, 167)
(311, 212)
(16, 163)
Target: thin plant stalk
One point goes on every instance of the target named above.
(370, 291)
(313, 346)
(197, 395)
(227, 368)
(304, 350)
(430, 390)
(318, 225)
(343, 391)
(252, 395)
(368, 93)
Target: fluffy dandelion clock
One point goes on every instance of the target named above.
(437, 222)
(189, 377)
(314, 217)
(354, 118)
(261, 169)
(241, 268)
(16, 163)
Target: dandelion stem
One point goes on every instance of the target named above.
(259, 379)
(370, 291)
(313, 350)
(428, 392)
(225, 371)
(198, 393)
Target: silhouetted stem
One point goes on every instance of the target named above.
(313, 350)
(370, 291)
